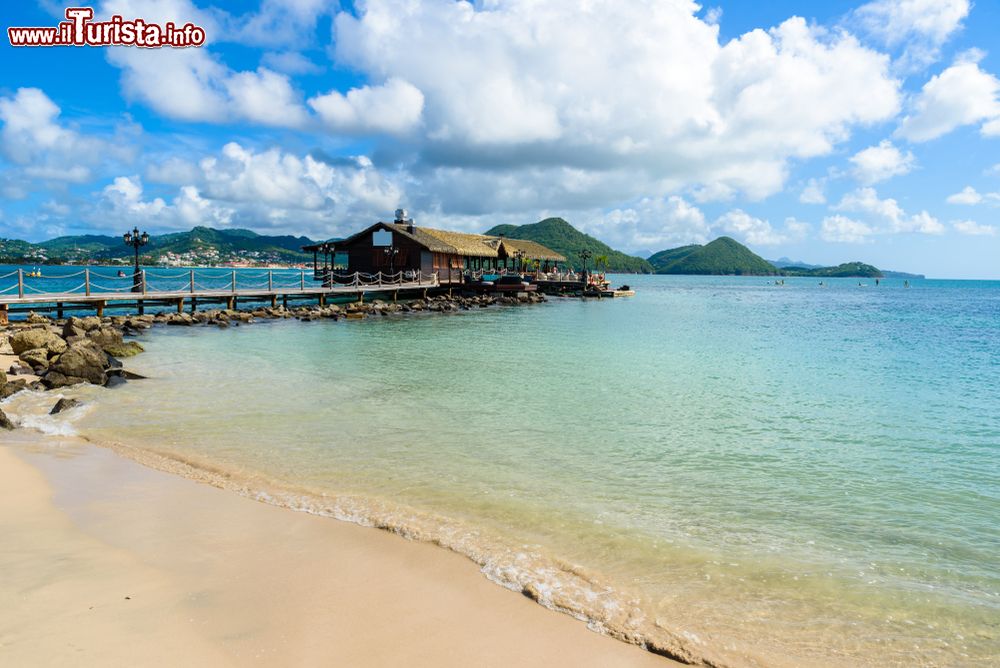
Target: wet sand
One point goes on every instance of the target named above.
(110, 563)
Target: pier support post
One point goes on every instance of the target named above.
(141, 307)
(180, 305)
(230, 303)
(59, 310)
(274, 301)
(395, 296)
(4, 317)
(100, 308)
(284, 301)
(322, 300)
(194, 304)
(361, 297)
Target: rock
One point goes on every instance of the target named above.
(110, 340)
(73, 328)
(54, 380)
(3, 378)
(89, 323)
(30, 339)
(64, 404)
(18, 369)
(114, 363)
(5, 422)
(35, 319)
(37, 358)
(115, 381)
(84, 359)
(12, 387)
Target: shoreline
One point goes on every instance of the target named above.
(203, 566)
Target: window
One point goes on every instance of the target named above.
(381, 238)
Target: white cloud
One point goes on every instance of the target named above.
(971, 197)
(973, 228)
(961, 95)
(652, 223)
(393, 107)
(813, 192)
(882, 162)
(506, 84)
(886, 216)
(290, 62)
(757, 231)
(845, 230)
(193, 84)
(278, 23)
(266, 97)
(262, 189)
(920, 26)
(47, 152)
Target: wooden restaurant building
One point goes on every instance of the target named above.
(402, 246)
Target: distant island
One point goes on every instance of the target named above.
(724, 256)
(727, 257)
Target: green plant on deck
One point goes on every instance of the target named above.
(602, 262)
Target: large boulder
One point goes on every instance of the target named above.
(83, 359)
(54, 380)
(36, 358)
(110, 340)
(90, 323)
(30, 339)
(12, 387)
(64, 404)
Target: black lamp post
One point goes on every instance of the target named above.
(585, 255)
(136, 241)
(519, 259)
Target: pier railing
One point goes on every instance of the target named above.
(87, 282)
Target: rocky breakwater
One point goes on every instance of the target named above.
(55, 354)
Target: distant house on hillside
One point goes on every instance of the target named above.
(402, 246)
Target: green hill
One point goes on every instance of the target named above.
(846, 270)
(560, 236)
(724, 256)
(201, 244)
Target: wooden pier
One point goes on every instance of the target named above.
(21, 297)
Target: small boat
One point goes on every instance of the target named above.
(121, 274)
(34, 273)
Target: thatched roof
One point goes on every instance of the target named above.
(462, 243)
(532, 250)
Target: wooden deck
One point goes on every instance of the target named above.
(193, 295)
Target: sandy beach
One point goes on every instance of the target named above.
(109, 563)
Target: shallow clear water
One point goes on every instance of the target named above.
(762, 474)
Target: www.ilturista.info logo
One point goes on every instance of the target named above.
(80, 30)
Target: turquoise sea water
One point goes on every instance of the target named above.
(725, 468)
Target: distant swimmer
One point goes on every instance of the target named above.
(876, 282)
(906, 284)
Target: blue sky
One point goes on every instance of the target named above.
(845, 131)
